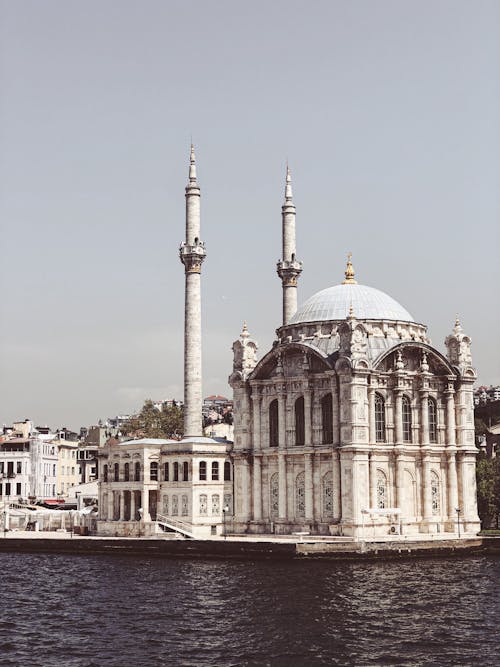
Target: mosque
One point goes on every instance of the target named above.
(352, 424)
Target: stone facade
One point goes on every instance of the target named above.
(353, 424)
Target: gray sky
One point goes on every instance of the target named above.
(387, 111)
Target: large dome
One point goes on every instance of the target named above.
(333, 303)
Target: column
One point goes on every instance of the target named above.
(111, 515)
(145, 505)
(399, 481)
(281, 421)
(398, 416)
(424, 418)
(450, 418)
(282, 486)
(426, 482)
(246, 489)
(371, 410)
(373, 482)
(132, 506)
(337, 496)
(257, 488)
(122, 505)
(308, 486)
(256, 401)
(307, 417)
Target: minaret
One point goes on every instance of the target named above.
(289, 269)
(192, 253)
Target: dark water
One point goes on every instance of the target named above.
(96, 611)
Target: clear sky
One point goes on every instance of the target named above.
(387, 111)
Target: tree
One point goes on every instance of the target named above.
(150, 422)
(488, 490)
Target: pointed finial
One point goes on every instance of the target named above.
(244, 333)
(458, 325)
(192, 166)
(351, 312)
(424, 365)
(288, 186)
(349, 272)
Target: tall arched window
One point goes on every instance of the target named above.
(176, 472)
(153, 471)
(406, 417)
(185, 471)
(137, 475)
(203, 503)
(215, 471)
(117, 472)
(327, 419)
(327, 494)
(166, 472)
(273, 424)
(126, 472)
(203, 471)
(432, 420)
(227, 472)
(274, 495)
(300, 495)
(379, 418)
(381, 490)
(435, 495)
(105, 473)
(300, 435)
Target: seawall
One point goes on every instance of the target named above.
(249, 550)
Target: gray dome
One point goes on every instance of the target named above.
(333, 303)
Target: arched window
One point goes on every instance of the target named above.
(327, 419)
(185, 471)
(117, 472)
(203, 471)
(176, 472)
(184, 505)
(274, 495)
(165, 505)
(435, 494)
(215, 471)
(406, 417)
(227, 471)
(126, 472)
(175, 505)
(215, 504)
(166, 472)
(300, 436)
(327, 494)
(273, 424)
(153, 471)
(432, 420)
(203, 503)
(300, 495)
(379, 418)
(137, 475)
(381, 490)
(105, 473)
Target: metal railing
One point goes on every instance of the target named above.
(175, 524)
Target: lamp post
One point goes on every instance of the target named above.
(458, 510)
(225, 510)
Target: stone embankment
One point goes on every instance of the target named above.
(233, 548)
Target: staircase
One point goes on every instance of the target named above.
(181, 527)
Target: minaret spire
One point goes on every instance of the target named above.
(289, 269)
(192, 253)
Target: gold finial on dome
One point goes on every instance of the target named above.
(349, 272)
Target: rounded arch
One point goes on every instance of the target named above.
(265, 366)
(382, 489)
(380, 425)
(300, 429)
(447, 368)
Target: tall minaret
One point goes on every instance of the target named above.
(192, 253)
(289, 269)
